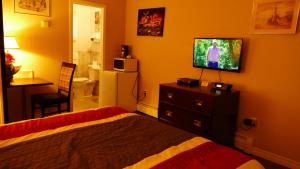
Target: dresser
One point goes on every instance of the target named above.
(201, 110)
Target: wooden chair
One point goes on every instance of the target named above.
(56, 99)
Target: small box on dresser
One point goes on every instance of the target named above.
(208, 113)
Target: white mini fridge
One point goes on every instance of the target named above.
(118, 89)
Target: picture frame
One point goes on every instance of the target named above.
(151, 22)
(33, 7)
(97, 21)
(274, 16)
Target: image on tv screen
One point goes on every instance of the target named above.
(221, 54)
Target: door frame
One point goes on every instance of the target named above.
(103, 35)
(3, 86)
(93, 4)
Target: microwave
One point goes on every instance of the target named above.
(125, 65)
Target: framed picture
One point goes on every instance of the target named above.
(33, 7)
(97, 21)
(274, 16)
(151, 22)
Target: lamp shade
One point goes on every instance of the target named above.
(10, 43)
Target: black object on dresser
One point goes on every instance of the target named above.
(201, 110)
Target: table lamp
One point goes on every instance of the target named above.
(10, 42)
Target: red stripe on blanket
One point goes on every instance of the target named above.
(206, 156)
(37, 125)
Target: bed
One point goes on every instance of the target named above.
(111, 137)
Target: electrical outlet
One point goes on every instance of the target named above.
(145, 93)
(250, 122)
(254, 121)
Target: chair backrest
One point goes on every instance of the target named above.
(66, 78)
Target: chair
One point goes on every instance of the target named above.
(56, 99)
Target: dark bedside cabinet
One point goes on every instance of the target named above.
(200, 110)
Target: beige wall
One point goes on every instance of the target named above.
(37, 44)
(269, 81)
(43, 49)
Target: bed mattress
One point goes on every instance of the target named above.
(111, 138)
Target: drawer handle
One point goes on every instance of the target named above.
(170, 95)
(197, 123)
(168, 113)
(199, 103)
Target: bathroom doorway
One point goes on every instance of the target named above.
(87, 50)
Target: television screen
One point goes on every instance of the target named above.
(218, 53)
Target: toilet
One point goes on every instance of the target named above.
(85, 87)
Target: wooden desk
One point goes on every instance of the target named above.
(26, 82)
(23, 82)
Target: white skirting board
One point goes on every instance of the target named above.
(245, 143)
(147, 109)
(242, 142)
(276, 158)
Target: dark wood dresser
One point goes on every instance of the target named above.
(201, 110)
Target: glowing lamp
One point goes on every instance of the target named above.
(10, 43)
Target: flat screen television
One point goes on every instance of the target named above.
(218, 53)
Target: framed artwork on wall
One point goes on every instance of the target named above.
(97, 21)
(33, 7)
(151, 22)
(274, 16)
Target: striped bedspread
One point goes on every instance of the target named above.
(111, 138)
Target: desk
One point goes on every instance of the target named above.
(23, 83)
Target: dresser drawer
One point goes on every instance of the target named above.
(198, 102)
(170, 113)
(190, 100)
(170, 95)
(198, 124)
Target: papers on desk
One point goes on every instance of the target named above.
(24, 74)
